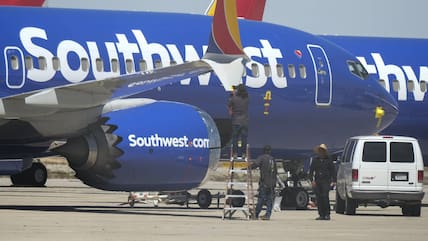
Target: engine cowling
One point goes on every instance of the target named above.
(154, 147)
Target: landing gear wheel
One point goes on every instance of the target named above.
(340, 204)
(302, 199)
(34, 176)
(204, 198)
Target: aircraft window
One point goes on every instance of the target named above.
(255, 70)
(382, 83)
(85, 64)
(42, 63)
(423, 85)
(302, 71)
(14, 62)
(395, 85)
(143, 65)
(410, 85)
(129, 66)
(28, 62)
(291, 71)
(357, 69)
(351, 67)
(280, 70)
(100, 64)
(362, 71)
(158, 64)
(268, 71)
(55, 63)
(115, 65)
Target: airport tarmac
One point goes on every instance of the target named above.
(68, 210)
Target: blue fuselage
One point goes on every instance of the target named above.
(302, 92)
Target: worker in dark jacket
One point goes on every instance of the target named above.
(267, 182)
(238, 110)
(322, 175)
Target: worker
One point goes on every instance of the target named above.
(267, 182)
(238, 110)
(322, 174)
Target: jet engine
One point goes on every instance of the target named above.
(159, 146)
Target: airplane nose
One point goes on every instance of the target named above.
(386, 110)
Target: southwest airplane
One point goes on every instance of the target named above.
(139, 98)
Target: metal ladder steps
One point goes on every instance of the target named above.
(239, 171)
(236, 208)
(240, 184)
(236, 196)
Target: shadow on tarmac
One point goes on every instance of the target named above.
(150, 211)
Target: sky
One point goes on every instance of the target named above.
(385, 18)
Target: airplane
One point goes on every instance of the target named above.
(140, 100)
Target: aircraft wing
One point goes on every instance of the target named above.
(98, 92)
(225, 57)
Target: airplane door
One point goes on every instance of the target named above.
(323, 80)
(15, 71)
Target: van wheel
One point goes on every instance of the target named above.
(340, 204)
(351, 206)
(411, 210)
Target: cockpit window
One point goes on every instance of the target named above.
(357, 69)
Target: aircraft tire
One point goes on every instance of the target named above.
(35, 176)
(302, 199)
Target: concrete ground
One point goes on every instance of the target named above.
(68, 210)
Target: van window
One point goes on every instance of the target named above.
(402, 152)
(349, 150)
(374, 152)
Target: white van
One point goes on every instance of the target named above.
(384, 170)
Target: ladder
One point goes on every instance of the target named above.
(236, 200)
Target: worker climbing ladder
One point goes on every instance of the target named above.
(236, 200)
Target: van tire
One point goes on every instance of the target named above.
(411, 210)
(351, 206)
(340, 204)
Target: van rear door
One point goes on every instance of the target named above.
(402, 173)
(372, 170)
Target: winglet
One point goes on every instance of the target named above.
(225, 53)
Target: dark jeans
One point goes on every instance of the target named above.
(265, 197)
(239, 133)
(322, 190)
